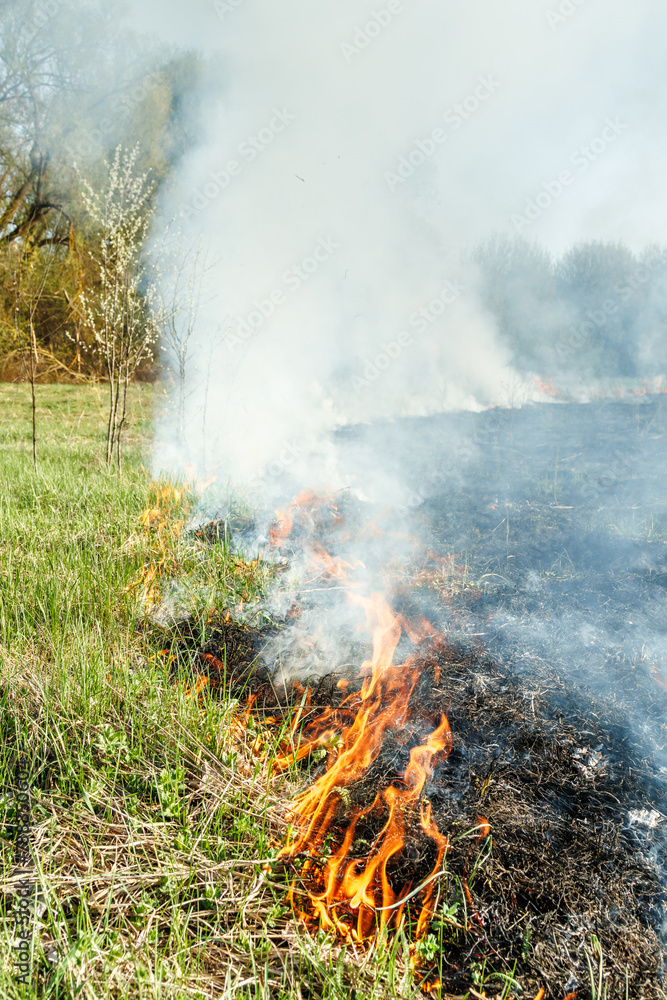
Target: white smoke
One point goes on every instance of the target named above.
(351, 152)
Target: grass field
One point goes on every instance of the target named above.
(152, 815)
(155, 815)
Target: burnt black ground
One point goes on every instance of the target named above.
(558, 515)
(553, 602)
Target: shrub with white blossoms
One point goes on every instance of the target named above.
(121, 313)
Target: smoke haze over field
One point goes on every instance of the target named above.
(351, 154)
(364, 174)
(405, 265)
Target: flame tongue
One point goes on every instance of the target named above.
(347, 894)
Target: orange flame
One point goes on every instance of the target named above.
(484, 827)
(198, 483)
(302, 505)
(547, 388)
(346, 884)
(201, 682)
(347, 894)
(336, 568)
(147, 585)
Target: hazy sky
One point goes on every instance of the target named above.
(560, 76)
(351, 151)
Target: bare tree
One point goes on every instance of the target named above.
(120, 312)
(180, 301)
(32, 77)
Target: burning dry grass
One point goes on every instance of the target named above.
(530, 822)
(551, 840)
(155, 838)
(154, 821)
(160, 805)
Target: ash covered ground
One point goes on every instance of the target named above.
(555, 517)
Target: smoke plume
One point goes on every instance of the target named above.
(350, 157)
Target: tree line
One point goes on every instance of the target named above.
(92, 120)
(597, 311)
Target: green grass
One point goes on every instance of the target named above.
(154, 818)
(155, 815)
